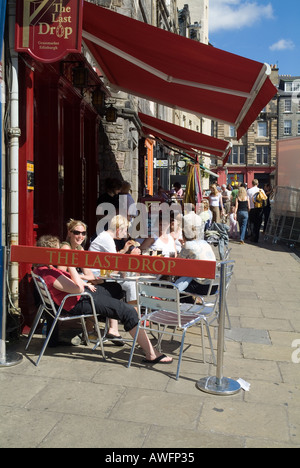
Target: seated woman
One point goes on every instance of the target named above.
(61, 283)
(75, 240)
(206, 215)
(104, 242)
(196, 249)
(76, 237)
(176, 232)
(165, 242)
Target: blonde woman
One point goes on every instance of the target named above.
(117, 229)
(242, 208)
(215, 203)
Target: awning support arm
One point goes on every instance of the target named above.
(158, 73)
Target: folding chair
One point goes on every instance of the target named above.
(161, 300)
(59, 315)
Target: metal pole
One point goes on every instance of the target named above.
(7, 358)
(2, 315)
(220, 385)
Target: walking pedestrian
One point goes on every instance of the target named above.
(242, 207)
(256, 211)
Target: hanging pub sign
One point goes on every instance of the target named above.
(49, 29)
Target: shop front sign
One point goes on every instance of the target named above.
(114, 261)
(49, 29)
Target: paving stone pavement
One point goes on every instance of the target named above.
(75, 399)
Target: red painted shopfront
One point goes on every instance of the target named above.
(57, 158)
(245, 174)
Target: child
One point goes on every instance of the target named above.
(233, 233)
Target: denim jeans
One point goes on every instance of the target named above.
(242, 217)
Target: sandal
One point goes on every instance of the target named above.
(157, 360)
(116, 340)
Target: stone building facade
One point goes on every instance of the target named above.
(288, 106)
(255, 154)
(121, 152)
(121, 149)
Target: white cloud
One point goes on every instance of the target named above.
(283, 44)
(237, 14)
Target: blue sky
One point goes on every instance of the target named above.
(262, 30)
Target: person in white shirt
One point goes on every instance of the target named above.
(104, 242)
(255, 214)
(215, 203)
(194, 248)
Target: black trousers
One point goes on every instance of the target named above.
(108, 303)
(255, 221)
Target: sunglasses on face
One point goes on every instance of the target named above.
(76, 233)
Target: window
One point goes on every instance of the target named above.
(296, 86)
(262, 155)
(288, 86)
(292, 86)
(235, 155)
(287, 105)
(232, 131)
(298, 127)
(242, 155)
(287, 127)
(238, 155)
(262, 129)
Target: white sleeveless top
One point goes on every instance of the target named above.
(166, 248)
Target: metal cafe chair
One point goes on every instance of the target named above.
(59, 315)
(159, 304)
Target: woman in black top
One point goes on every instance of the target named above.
(242, 207)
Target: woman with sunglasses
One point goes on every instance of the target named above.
(76, 237)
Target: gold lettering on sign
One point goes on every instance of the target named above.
(74, 259)
(87, 264)
(133, 264)
(171, 265)
(51, 254)
(155, 266)
(97, 263)
(61, 17)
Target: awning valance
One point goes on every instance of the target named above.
(175, 71)
(187, 140)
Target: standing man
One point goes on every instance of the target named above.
(256, 212)
(226, 194)
(234, 193)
